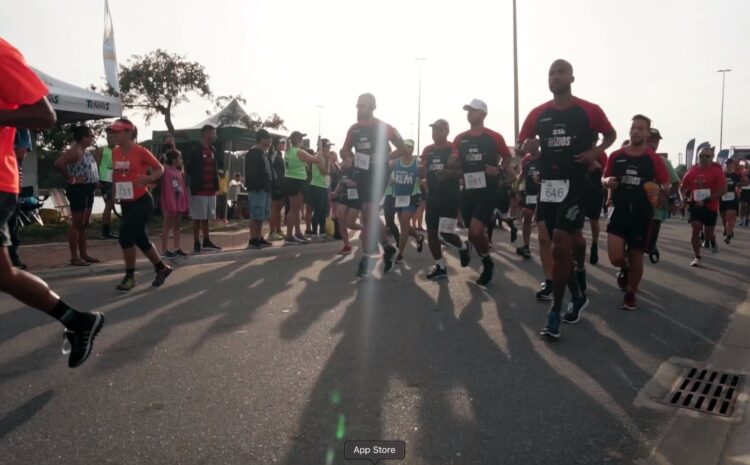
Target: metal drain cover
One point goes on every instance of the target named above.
(706, 391)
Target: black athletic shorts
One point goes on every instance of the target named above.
(8, 206)
(443, 204)
(107, 189)
(634, 227)
(703, 216)
(730, 205)
(479, 204)
(277, 191)
(80, 196)
(567, 215)
(745, 195)
(293, 186)
(369, 193)
(502, 197)
(595, 203)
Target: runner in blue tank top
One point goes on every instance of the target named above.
(406, 194)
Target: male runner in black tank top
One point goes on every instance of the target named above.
(566, 126)
(367, 142)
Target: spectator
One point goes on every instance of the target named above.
(221, 199)
(202, 166)
(235, 187)
(319, 185)
(258, 175)
(103, 156)
(276, 155)
(174, 203)
(82, 173)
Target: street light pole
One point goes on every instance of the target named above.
(721, 130)
(515, 73)
(419, 104)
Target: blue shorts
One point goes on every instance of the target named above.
(260, 205)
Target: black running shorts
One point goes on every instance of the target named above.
(567, 215)
(441, 205)
(635, 228)
(703, 216)
(479, 204)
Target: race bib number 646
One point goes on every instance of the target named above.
(554, 191)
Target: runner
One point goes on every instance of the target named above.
(730, 201)
(595, 205)
(407, 197)
(23, 103)
(443, 200)
(367, 141)
(745, 196)
(131, 164)
(174, 203)
(670, 198)
(478, 153)
(348, 202)
(702, 187)
(103, 156)
(637, 177)
(389, 210)
(528, 191)
(566, 126)
(295, 180)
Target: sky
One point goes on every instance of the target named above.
(659, 58)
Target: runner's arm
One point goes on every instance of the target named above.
(39, 115)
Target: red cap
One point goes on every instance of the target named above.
(122, 125)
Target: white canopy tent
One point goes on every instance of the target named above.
(74, 104)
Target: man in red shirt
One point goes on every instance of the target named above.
(202, 165)
(701, 188)
(23, 103)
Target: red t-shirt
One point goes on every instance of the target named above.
(711, 178)
(209, 173)
(19, 85)
(130, 167)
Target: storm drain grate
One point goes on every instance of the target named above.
(706, 391)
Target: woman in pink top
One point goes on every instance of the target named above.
(174, 203)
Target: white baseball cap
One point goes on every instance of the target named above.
(476, 104)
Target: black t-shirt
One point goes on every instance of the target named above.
(529, 168)
(733, 180)
(632, 172)
(477, 151)
(371, 139)
(435, 159)
(563, 134)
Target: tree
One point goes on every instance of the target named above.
(159, 81)
(253, 121)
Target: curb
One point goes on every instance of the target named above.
(203, 258)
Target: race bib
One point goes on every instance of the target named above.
(475, 180)
(554, 191)
(124, 190)
(352, 193)
(531, 200)
(437, 167)
(728, 197)
(403, 201)
(447, 225)
(362, 161)
(107, 175)
(746, 188)
(699, 195)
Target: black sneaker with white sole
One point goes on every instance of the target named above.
(575, 308)
(79, 343)
(545, 295)
(389, 252)
(161, 276)
(438, 272)
(551, 329)
(210, 246)
(488, 270)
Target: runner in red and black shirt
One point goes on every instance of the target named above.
(566, 126)
(23, 103)
(443, 199)
(637, 176)
(596, 200)
(478, 152)
(529, 191)
(730, 202)
(367, 142)
(701, 189)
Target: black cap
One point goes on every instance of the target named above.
(655, 133)
(262, 134)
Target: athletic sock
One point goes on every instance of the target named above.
(69, 317)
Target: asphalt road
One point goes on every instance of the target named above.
(281, 357)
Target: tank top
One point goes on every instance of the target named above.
(295, 168)
(318, 179)
(105, 165)
(405, 179)
(85, 168)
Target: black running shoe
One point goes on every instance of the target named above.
(180, 253)
(389, 252)
(210, 246)
(264, 244)
(594, 255)
(465, 255)
(399, 259)
(420, 243)
(654, 256)
(545, 294)
(161, 276)
(524, 252)
(79, 343)
(581, 278)
(253, 244)
(575, 307)
(197, 247)
(552, 328)
(488, 270)
(438, 272)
